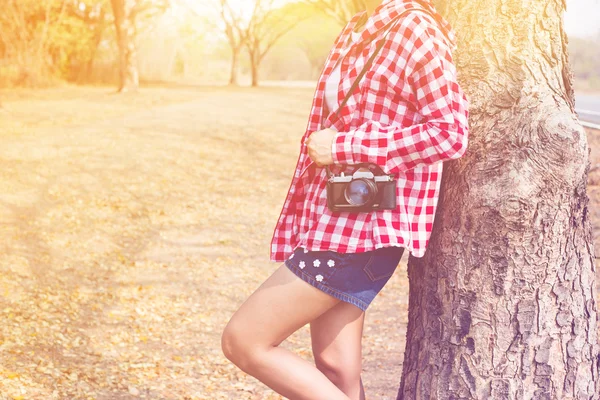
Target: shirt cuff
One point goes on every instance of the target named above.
(341, 148)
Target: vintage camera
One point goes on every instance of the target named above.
(362, 190)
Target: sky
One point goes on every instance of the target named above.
(582, 18)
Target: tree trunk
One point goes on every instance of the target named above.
(234, 63)
(254, 67)
(502, 304)
(254, 75)
(128, 71)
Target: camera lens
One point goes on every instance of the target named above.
(359, 192)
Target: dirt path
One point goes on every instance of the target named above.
(132, 227)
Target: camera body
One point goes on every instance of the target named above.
(361, 191)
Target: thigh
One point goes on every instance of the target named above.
(337, 335)
(280, 306)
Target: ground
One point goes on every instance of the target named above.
(132, 226)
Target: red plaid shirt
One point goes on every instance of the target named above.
(408, 115)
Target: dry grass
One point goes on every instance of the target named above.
(133, 226)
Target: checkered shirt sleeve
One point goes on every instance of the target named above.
(420, 55)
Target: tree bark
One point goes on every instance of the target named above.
(236, 31)
(124, 25)
(254, 67)
(233, 79)
(502, 304)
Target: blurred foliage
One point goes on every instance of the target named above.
(43, 42)
(341, 10)
(301, 54)
(175, 46)
(266, 28)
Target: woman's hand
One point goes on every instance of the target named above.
(319, 145)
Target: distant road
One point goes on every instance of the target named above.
(588, 108)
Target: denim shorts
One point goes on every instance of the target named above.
(355, 278)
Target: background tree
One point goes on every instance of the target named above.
(125, 13)
(94, 14)
(266, 26)
(301, 52)
(125, 30)
(340, 10)
(42, 42)
(502, 304)
(236, 32)
(231, 22)
(27, 39)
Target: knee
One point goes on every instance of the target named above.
(235, 348)
(345, 374)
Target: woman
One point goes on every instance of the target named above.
(407, 115)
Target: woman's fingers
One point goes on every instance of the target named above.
(315, 157)
(314, 154)
(319, 146)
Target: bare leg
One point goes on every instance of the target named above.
(280, 306)
(336, 341)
